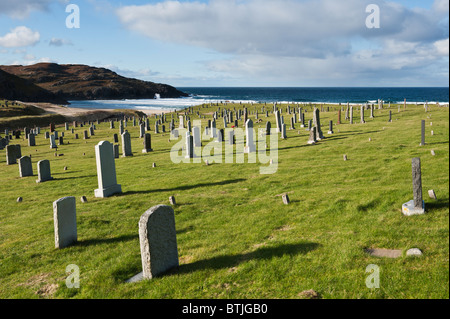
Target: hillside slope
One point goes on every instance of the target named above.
(82, 82)
(15, 88)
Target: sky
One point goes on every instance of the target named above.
(250, 43)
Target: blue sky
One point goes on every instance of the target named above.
(237, 42)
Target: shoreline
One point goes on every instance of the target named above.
(74, 112)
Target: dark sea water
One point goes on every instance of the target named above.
(200, 95)
(331, 95)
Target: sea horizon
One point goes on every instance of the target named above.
(300, 95)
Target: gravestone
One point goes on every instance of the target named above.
(268, 128)
(65, 222)
(278, 121)
(44, 174)
(116, 138)
(422, 143)
(250, 144)
(351, 115)
(147, 143)
(31, 139)
(116, 150)
(189, 145)
(141, 130)
(197, 136)
(158, 241)
(283, 131)
(13, 152)
(126, 144)
(106, 170)
(286, 200)
(312, 137)
(362, 115)
(85, 135)
(52, 142)
(25, 167)
(417, 205)
(330, 130)
(390, 116)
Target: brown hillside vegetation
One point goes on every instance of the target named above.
(82, 82)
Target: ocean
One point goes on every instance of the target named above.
(200, 95)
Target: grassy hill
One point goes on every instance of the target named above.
(236, 238)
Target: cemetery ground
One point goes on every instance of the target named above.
(235, 237)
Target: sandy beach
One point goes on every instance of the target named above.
(73, 112)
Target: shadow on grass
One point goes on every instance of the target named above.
(370, 205)
(185, 187)
(440, 203)
(229, 261)
(100, 241)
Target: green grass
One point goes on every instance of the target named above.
(235, 237)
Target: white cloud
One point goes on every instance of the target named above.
(442, 47)
(59, 42)
(293, 40)
(20, 9)
(19, 37)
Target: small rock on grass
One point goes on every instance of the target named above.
(414, 252)
(309, 294)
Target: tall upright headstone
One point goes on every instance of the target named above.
(278, 120)
(312, 136)
(106, 170)
(65, 222)
(316, 123)
(250, 146)
(31, 139)
(147, 143)
(330, 130)
(197, 136)
(351, 115)
(422, 143)
(417, 205)
(126, 144)
(362, 115)
(52, 141)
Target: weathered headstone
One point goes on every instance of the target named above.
(422, 143)
(250, 146)
(65, 222)
(44, 173)
(31, 139)
(13, 152)
(106, 170)
(158, 241)
(25, 167)
(52, 142)
(417, 205)
(312, 137)
(126, 144)
(147, 143)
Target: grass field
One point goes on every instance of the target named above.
(236, 238)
